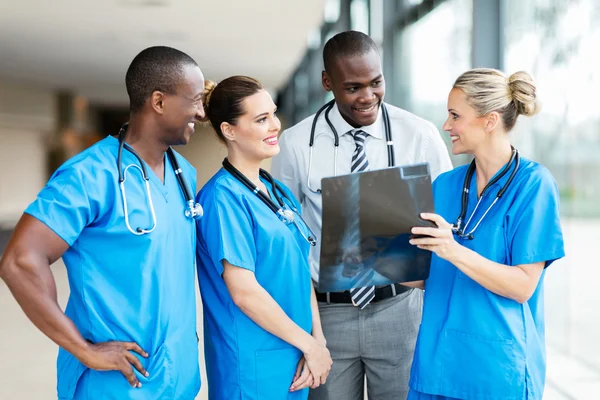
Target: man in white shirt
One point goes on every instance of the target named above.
(378, 339)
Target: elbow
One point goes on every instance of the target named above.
(522, 299)
(3, 268)
(14, 264)
(523, 295)
(415, 284)
(527, 282)
(242, 299)
(8, 265)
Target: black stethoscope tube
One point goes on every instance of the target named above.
(286, 216)
(514, 158)
(193, 210)
(266, 199)
(173, 160)
(386, 122)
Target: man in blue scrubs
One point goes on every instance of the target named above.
(129, 330)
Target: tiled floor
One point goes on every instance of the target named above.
(573, 315)
(27, 369)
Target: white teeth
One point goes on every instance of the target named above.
(367, 109)
(191, 125)
(271, 141)
(454, 138)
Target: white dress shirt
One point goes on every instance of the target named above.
(415, 141)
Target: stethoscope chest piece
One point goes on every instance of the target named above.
(194, 210)
(287, 216)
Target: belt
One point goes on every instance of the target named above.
(381, 293)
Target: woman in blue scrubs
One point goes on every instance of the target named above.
(482, 333)
(263, 336)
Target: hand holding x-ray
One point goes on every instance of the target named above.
(367, 218)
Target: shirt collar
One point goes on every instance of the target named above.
(343, 127)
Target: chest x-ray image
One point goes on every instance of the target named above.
(367, 218)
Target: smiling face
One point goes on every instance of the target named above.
(467, 130)
(358, 87)
(184, 109)
(254, 134)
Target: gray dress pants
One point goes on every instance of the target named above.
(377, 342)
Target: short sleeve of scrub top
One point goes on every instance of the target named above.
(227, 230)
(63, 204)
(535, 230)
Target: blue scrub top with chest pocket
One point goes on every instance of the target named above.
(243, 361)
(125, 287)
(474, 344)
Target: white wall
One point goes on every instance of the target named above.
(27, 118)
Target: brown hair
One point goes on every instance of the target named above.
(223, 100)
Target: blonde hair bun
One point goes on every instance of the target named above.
(521, 87)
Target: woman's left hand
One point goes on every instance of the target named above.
(441, 240)
(303, 377)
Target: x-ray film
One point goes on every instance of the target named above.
(367, 218)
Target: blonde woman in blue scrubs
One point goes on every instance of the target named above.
(263, 336)
(482, 334)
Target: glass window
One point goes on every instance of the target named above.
(301, 89)
(376, 23)
(314, 39)
(410, 3)
(557, 42)
(359, 16)
(431, 54)
(332, 11)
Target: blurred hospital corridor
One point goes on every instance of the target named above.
(63, 89)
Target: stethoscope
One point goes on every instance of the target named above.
(457, 228)
(285, 211)
(193, 209)
(336, 142)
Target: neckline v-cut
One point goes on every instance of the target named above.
(162, 186)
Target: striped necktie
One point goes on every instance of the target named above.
(361, 293)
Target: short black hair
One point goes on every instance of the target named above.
(154, 68)
(347, 44)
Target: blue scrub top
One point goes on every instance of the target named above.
(243, 361)
(125, 287)
(474, 344)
